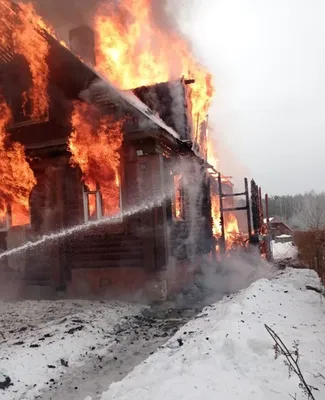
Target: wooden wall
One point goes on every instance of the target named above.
(192, 235)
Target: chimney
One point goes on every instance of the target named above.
(82, 42)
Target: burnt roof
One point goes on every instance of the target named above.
(169, 101)
(75, 76)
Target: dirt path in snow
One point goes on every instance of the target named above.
(101, 342)
(135, 339)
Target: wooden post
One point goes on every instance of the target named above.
(269, 249)
(255, 208)
(197, 131)
(261, 208)
(222, 222)
(263, 231)
(213, 239)
(249, 222)
(206, 138)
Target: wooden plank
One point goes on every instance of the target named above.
(106, 264)
(235, 209)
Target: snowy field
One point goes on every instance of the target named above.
(226, 352)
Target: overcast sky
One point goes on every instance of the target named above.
(268, 60)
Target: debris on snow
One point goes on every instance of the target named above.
(64, 362)
(42, 338)
(76, 329)
(5, 381)
(238, 361)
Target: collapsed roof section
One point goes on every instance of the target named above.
(79, 77)
(164, 106)
(169, 101)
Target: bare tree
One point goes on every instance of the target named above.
(310, 212)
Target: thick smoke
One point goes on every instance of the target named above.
(64, 15)
(216, 280)
(164, 14)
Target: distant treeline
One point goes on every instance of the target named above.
(302, 211)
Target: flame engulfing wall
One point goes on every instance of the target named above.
(17, 178)
(138, 43)
(18, 34)
(95, 145)
(133, 51)
(230, 222)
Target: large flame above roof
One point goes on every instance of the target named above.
(18, 35)
(132, 52)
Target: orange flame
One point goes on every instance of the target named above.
(95, 145)
(17, 178)
(230, 222)
(178, 196)
(215, 211)
(40, 23)
(19, 215)
(212, 158)
(131, 51)
(17, 32)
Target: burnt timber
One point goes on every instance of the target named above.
(132, 255)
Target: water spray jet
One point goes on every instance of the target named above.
(147, 205)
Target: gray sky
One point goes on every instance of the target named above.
(268, 60)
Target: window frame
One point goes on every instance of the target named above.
(7, 223)
(182, 199)
(99, 203)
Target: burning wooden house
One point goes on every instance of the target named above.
(93, 153)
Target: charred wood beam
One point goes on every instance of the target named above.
(269, 250)
(249, 220)
(234, 194)
(235, 209)
(255, 207)
(189, 81)
(222, 222)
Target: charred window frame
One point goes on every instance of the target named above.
(92, 198)
(15, 217)
(178, 198)
(93, 208)
(5, 223)
(22, 120)
(16, 82)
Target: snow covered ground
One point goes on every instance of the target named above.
(226, 352)
(283, 250)
(42, 341)
(66, 350)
